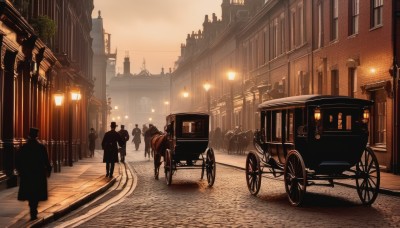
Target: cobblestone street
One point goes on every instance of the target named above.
(190, 202)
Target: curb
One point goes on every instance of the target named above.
(74, 205)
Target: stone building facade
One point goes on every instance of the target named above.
(281, 48)
(34, 67)
(140, 98)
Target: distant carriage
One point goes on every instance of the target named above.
(186, 146)
(313, 138)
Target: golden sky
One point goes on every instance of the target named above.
(152, 29)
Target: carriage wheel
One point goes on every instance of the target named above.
(368, 177)
(168, 167)
(210, 167)
(253, 173)
(203, 167)
(295, 178)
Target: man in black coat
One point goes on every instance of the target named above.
(110, 144)
(125, 136)
(136, 132)
(33, 167)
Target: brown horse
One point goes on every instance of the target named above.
(158, 145)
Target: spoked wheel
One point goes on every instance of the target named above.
(368, 177)
(253, 173)
(210, 167)
(168, 167)
(295, 178)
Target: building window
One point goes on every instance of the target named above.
(379, 119)
(334, 20)
(335, 82)
(376, 13)
(301, 26)
(320, 23)
(303, 83)
(352, 82)
(282, 34)
(354, 11)
(266, 47)
(319, 83)
(293, 29)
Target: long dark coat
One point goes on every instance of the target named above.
(33, 167)
(136, 132)
(92, 140)
(110, 147)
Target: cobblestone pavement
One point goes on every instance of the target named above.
(189, 202)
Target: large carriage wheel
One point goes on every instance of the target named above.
(168, 167)
(210, 167)
(295, 178)
(253, 173)
(367, 177)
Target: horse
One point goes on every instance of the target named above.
(158, 144)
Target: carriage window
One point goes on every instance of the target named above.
(277, 136)
(289, 126)
(192, 128)
(335, 120)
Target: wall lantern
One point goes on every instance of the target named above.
(366, 116)
(58, 98)
(75, 94)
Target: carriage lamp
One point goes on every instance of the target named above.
(317, 114)
(366, 116)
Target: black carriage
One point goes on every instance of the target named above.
(313, 140)
(187, 136)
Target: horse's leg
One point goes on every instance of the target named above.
(157, 164)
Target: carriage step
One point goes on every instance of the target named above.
(330, 184)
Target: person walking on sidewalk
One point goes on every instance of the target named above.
(33, 167)
(92, 141)
(110, 143)
(125, 136)
(136, 133)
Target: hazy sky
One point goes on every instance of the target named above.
(152, 29)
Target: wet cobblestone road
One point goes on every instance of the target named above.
(189, 202)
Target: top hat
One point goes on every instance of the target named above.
(113, 124)
(33, 132)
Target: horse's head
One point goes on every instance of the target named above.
(153, 130)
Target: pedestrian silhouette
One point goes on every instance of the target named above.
(110, 144)
(92, 141)
(33, 167)
(125, 136)
(136, 133)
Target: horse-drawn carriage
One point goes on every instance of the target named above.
(313, 140)
(186, 143)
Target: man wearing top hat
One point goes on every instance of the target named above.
(125, 136)
(33, 167)
(110, 143)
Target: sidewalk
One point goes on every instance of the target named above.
(72, 187)
(389, 183)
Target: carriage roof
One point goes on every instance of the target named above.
(305, 100)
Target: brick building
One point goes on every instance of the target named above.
(36, 64)
(293, 47)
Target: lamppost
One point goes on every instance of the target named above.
(58, 100)
(75, 96)
(231, 78)
(207, 87)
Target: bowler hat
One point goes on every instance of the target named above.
(122, 126)
(113, 124)
(33, 132)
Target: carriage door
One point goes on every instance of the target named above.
(288, 129)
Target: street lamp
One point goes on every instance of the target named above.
(185, 92)
(231, 78)
(207, 87)
(75, 96)
(58, 100)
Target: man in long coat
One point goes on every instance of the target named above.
(33, 167)
(92, 141)
(125, 136)
(136, 133)
(110, 143)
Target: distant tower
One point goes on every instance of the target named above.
(226, 12)
(127, 64)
